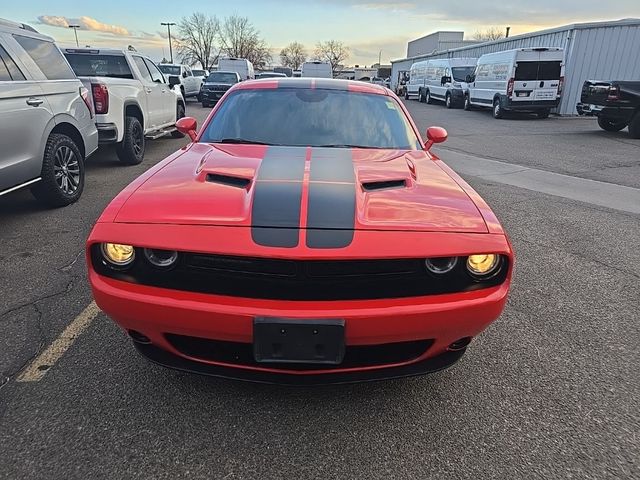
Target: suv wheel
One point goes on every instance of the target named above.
(62, 176)
(179, 115)
(427, 97)
(406, 94)
(420, 96)
(497, 109)
(467, 102)
(131, 150)
(634, 126)
(447, 101)
(610, 125)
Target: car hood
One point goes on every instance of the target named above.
(304, 187)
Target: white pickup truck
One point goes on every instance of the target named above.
(131, 98)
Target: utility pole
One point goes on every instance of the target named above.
(75, 30)
(169, 25)
(379, 58)
(507, 35)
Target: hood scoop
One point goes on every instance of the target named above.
(375, 185)
(229, 180)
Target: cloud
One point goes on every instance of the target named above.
(86, 23)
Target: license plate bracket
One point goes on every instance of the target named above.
(284, 340)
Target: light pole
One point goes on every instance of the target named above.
(169, 25)
(379, 58)
(75, 31)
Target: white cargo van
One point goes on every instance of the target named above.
(444, 79)
(316, 70)
(241, 66)
(525, 80)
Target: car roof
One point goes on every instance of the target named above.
(22, 29)
(97, 51)
(317, 83)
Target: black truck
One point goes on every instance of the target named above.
(615, 103)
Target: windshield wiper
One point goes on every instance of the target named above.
(340, 145)
(242, 141)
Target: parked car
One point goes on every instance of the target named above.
(241, 66)
(216, 85)
(200, 74)
(189, 83)
(316, 70)
(442, 79)
(524, 80)
(270, 75)
(307, 235)
(288, 71)
(47, 128)
(377, 81)
(402, 79)
(615, 103)
(131, 98)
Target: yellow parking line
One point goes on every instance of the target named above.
(47, 359)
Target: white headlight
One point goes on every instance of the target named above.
(441, 265)
(161, 258)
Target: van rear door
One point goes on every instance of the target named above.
(537, 76)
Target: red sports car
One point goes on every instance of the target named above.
(306, 235)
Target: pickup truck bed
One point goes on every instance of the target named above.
(615, 103)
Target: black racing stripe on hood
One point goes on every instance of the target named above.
(332, 199)
(275, 212)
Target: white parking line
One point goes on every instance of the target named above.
(47, 359)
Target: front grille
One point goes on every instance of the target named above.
(282, 279)
(217, 88)
(236, 353)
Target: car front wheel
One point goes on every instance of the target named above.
(62, 175)
(467, 103)
(447, 101)
(610, 125)
(131, 150)
(497, 109)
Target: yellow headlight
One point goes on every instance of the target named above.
(482, 264)
(118, 254)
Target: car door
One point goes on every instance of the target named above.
(153, 94)
(24, 116)
(167, 100)
(192, 85)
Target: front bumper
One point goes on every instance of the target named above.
(207, 96)
(159, 314)
(623, 114)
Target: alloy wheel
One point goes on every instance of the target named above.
(66, 168)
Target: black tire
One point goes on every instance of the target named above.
(634, 126)
(179, 115)
(420, 96)
(184, 97)
(497, 111)
(447, 101)
(131, 150)
(62, 175)
(543, 113)
(610, 125)
(427, 98)
(406, 94)
(205, 105)
(467, 103)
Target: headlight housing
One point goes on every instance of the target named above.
(441, 265)
(161, 258)
(118, 255)
(483, 265)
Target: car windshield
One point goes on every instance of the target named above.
(460, 73)
(222, 77)
(306, 117)
(198, 73)
(169, 69)
(92, 65)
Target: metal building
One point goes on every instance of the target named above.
(602, 50)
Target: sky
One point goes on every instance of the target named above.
(370, 28)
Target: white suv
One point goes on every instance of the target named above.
(47, 129)
(189, 84)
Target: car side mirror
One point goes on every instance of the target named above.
(444, 80)
(435, 135)
(184, 74)
(188, 126)
(173, 81)
(469, 78)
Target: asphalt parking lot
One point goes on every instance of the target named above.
(549, 391)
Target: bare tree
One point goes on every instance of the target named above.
(197, 40)
(333, 52)
(239, 38)
(489, 34)
(293, 55)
